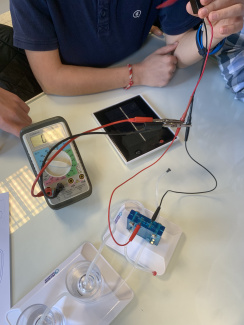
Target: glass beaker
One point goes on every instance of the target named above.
(32, 315)
(83, 286)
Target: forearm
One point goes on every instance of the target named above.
(60, 79)
(75, 80)
(156, 70)
(187, 51)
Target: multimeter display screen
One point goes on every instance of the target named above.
(48, 135)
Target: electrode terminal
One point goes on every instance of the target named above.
(150, 230)
(165, 122)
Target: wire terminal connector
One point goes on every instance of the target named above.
(171, 123)
(150, 230)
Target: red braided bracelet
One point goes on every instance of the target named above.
(130, 77)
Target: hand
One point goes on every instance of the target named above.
(157, 69)
(13, 113)
(225, 15)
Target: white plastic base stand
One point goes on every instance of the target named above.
(155, 258)
(115, 294)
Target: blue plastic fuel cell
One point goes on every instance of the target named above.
(150, 230)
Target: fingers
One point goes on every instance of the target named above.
(24, 107)
(13, 113)
(236, 11)
(19, 124)
(24, 118)
(221, 9)
(15, 129)
(19, 111)
(168, 49)
(157, 69)
(171, 62)
(225, 15)
(166, 68)
(14, 124)
(229, 29)
(218, 10)
(21, 104)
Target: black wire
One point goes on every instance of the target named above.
(56, 192)
(154, 217)
(191, 193)
(188, 121)
(189, 115)
(136, 132)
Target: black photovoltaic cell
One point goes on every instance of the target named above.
(135, 145)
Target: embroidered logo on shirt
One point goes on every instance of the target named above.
(137, 14)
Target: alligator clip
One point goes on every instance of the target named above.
(171, 123)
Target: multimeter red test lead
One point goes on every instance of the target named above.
(65, 171)
(38, 139)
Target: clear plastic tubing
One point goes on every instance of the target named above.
(96, 257)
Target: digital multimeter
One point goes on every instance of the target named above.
(66, 168)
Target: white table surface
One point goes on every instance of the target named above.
(204, 281)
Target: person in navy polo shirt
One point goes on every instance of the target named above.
(70, 44)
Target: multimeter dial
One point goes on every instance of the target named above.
(60, 165)
(66, 168)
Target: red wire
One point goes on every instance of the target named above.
(109, 226)
(166, 4)
(203, 69)
(137, 119)
(131, 120)
(44, 167)
(176, 133)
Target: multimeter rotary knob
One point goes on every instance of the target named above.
(60, 165)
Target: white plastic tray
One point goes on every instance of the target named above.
(156, 258)
(116, 294)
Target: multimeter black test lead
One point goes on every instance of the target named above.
(63, 179)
